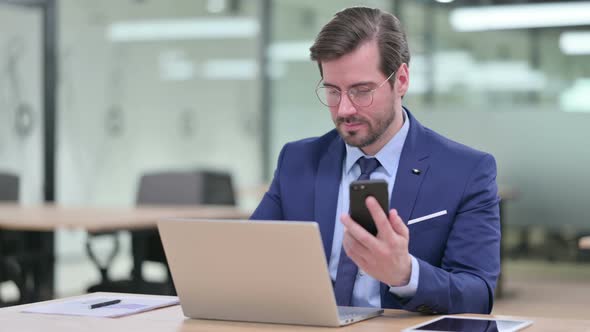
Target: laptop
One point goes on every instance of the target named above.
(256, 271)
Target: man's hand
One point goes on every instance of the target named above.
(384, 257)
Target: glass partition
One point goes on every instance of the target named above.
(151, 85)
(21, 106)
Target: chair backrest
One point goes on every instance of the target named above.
(178, 188)
(186, 188)
(9, 187)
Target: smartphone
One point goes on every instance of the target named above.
(359, 191)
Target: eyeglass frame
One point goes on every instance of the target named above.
(347, 92)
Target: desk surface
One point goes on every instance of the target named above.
(50, 217)
(172, 319)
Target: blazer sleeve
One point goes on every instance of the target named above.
(270, 208)
(466, 280)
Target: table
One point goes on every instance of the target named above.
(50, 217)
(43, 220)
(172, 319)
(47, 218)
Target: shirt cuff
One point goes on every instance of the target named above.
(410, 289)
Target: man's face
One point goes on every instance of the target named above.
(367, 127)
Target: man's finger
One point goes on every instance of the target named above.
(398, 225)
(354, 249)
(379, 217)
(358, 232)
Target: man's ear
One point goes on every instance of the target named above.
(402, 79)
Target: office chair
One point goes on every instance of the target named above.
(167, 188)
(12, 243)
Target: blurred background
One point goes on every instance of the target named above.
(93, 94)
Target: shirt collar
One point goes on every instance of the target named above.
(388, 156)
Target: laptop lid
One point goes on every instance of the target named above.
(269, 271)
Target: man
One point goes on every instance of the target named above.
(438, 248)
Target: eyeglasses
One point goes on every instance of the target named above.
(361, 96)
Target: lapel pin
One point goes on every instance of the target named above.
(416, 171)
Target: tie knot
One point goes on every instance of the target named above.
(368, 165)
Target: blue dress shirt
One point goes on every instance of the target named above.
(366, 288)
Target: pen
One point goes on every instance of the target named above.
(104, 304)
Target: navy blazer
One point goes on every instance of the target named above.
(458, 253)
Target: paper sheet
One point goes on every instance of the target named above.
(129, 305)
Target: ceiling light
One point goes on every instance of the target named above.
(196, 28)
(520, 16)
(575, 42)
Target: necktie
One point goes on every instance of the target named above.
(347, 270)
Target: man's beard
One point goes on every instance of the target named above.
(373, 134)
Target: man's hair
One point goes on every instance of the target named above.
(353, 26)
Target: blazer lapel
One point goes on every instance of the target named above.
(327, 185)
(407, 183)
(413, 167)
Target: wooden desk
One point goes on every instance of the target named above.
(96, 219)
(45, 219)
(172, 319)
